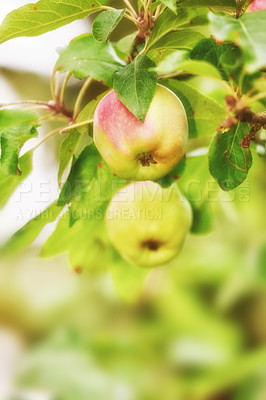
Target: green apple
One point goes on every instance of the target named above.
(148, 224)
(256, 5)
(141, 150)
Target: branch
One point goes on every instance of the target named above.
(257, 121)
(244, 114)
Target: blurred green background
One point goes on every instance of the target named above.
(195, 329)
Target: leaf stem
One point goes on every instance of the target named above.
(142, 3)
(147, 7)
(74, 126)
(157, 11)
(145, 46)
(128, 16)
(241, 80)
(168, 76)
(46, 117)
(48, 136)
(52, 87)
(57, 86)
(257, 97)
(62, 93)
(80, 96)
(131, 9)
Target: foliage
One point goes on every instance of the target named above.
(212, 55)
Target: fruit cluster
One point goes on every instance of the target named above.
(146, 223)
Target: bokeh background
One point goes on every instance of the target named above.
(195, 329)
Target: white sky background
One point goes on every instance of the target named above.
(37, 55)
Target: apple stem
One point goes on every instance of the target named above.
(146, 159)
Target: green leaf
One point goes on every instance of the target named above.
(94, 191)
(202, 218)
(204, 114)
(229, 161)
(128, 279)
(44, 16)
(175, 63)
(24, 236)
(16, 127)
(170, 63)
(90, 184)
(183, 39)
(174, 175)
(168, 22)
(61, 239)
(105, 23)
(201, 68)
(207, 3)
(195, 178)
(9, 183)
(248, 32)
(261, 263)
(89, 187)
(226, 57)
(124, 46)
(135, 85)
(71, 143)
(170, 4)
(82, 172)
(194, 183)
(85, 57)
(66, 152)
(84, 241)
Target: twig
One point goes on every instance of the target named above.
(21, 102)
(246, 115)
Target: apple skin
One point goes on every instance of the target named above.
(136, 150)
(148, 224)
(256, 5)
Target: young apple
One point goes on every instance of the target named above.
(148, 224)
(136, 150)
(256, 5)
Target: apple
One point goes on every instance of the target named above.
(256, 5)
(148, 224)
(141, 150)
